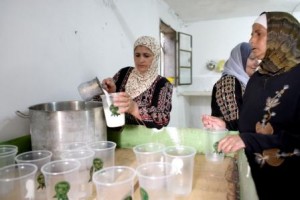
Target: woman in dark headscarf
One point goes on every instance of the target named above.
(229, 89)
(269, 122)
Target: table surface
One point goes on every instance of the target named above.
(212, 181)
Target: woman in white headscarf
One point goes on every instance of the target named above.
(146, 97)
(228, 91)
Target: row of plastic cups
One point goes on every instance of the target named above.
(24, 179)
(155, 180)
(72, 175)
(181, 159)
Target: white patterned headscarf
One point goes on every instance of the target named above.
(137, 82)
(236, 63)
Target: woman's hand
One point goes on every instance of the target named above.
(212, 122)
(231, 143)
(109, 85)
(126, 104)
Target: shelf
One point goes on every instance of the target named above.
(196, 93)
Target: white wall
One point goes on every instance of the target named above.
(212, 40)
(49, 47)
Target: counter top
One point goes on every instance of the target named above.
(211, 180)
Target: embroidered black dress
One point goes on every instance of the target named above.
(155, 103)
(273, 102)
(226, 100)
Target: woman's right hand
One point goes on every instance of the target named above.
(109, 85)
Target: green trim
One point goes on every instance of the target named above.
(23, 143)
(132, 135)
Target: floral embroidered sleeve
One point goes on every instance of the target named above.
(157, 113)
(155, 104)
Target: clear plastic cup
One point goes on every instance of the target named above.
(7, 154)
(39, 158)
(149, 152)
(155, 180)
(62, 179)
(104, 156)
(74, 145)
(17, 181)
(182, 160)
(112, 117)
(85, 157)
(116, 182)
(213, 137)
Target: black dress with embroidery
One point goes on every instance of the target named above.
(226, 100)
(155, 103)
(269, 125)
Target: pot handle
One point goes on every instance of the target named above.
(20, 114)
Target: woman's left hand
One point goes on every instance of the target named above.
(126, 104)
(231, 143)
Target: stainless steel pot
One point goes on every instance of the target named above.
(53, 125)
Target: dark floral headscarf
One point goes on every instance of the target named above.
(283, 43)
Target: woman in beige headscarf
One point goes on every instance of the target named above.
(146, 97)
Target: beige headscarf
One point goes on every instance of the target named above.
(283, 43)
(137, 82)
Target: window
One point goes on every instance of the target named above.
(176, 55)
(184, 59)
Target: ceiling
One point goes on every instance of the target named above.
(197, 10)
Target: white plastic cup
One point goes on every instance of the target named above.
(85, 157)
(155, 180)
(17, 181)
(112, 117)
(7, 154)
(148, 152)
(116, 183)
(62, 179)
(182, 161)
(213, 137)
(39, 158)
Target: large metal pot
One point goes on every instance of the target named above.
(53, 125)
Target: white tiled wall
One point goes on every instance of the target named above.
(191, 107)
